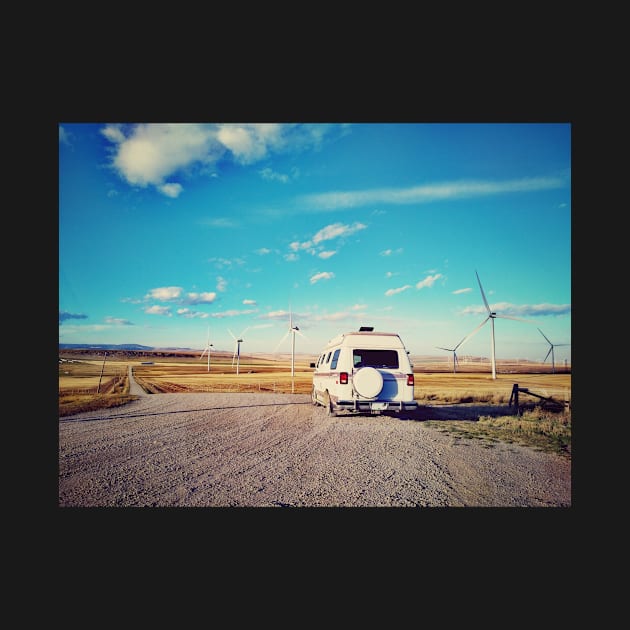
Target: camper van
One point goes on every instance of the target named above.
(364, 372)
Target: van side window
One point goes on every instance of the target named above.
(335, 358)
(328, 358)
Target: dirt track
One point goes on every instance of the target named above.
(270, 450)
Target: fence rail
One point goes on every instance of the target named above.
(546, 401)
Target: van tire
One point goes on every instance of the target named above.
(328, 404)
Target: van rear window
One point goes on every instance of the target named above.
(375, 358)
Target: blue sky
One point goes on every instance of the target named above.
(166, 230)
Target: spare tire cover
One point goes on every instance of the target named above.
(368, 382)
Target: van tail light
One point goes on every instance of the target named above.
(343, 378)
(410, 380)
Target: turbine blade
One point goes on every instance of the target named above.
(234, 355)
(232, 334)
(286, 334)
(299, 332)
(543, 334)
(548, 353)
(483, 295)
(447, 349)
(241, 335)
(471, 334)
(204, 352)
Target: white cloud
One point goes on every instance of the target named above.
(333, 317)
(335, 230)
(117, 321)
(327, 254)
(268, 174)
(158, 310)
(429, 281)
(275, 315)
(147, 154)
(201, 298)
(329, 232)
(220, 263)
(165, 294)
(188, 314)
(398, 290)
(324, 275)
(425, 193)
(243, 142)
(525, 310)
(291, 257)
(152, 154)
(249, 302)
(221, 283)
(263, 250)
(171, 190)
(233, 313)
(458, 291)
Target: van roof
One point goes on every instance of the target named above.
(367, 340)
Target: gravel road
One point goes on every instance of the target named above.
(265, 450)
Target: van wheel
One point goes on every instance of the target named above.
(314, 397)
(329, 405)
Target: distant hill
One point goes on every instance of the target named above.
(113, 346)
(104, 346)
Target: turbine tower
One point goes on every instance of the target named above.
(237, 349)
(207, 349)
(492, 316)
(553, 364)
(292, 330)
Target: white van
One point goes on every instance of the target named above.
(364, 371)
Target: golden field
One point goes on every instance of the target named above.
(185, 372)
(87, 383)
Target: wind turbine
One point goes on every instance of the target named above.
(492, 316)
(237, 349)
(553, 365)
(468, 336)
(207, 349)
(292, 330)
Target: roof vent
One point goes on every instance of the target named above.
(366, 329)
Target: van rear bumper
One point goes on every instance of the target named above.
(377, 405)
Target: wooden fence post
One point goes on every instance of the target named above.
(514, 396)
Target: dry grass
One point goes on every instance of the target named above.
(534, 427)
(90, 385)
